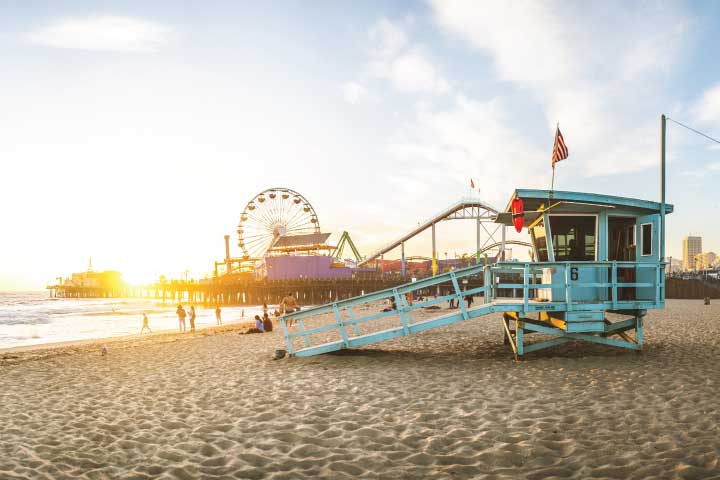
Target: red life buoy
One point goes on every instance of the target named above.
(518, 214)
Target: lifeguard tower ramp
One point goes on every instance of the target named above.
(559, 296)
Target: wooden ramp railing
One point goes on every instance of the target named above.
(507, 287)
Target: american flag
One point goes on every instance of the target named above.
(560, 150)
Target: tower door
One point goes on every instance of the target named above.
(622, 248)
(648, 242)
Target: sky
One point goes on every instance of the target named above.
(136, 132)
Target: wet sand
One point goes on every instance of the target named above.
(448, 403)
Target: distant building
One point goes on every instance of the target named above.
(106, 279)
(92, 279)
(704, 261)
(692, 246)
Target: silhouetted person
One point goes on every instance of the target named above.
(393, 305)
(146, 324)
(409, 298)
(289, 305)
(192, 318)
(267, 323)
(258, 328)
(181, 317)
(218, 317)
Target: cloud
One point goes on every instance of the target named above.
(470, 139)
(388, 38)
(406, 66)
(550, 46)
(707, 109)
(393, 58)
(412, 72)
(595, 68)
(102, 33)
(354, 92)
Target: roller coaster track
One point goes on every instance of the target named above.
(507, 242)
(465, 208)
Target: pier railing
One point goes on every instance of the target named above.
(507, 287)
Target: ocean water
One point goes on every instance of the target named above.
(31, 318)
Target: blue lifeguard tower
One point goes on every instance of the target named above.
(598, 266)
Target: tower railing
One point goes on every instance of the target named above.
(507, 287)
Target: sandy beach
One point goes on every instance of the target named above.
(449, 403)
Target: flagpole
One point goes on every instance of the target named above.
(552, 182)
(662, 188)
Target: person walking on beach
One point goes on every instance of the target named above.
(218, 319)
(146, 324)
(181, 317)
(289, 305)
(192, 318)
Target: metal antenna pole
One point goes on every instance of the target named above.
(662, 187)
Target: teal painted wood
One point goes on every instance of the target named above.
(434, 301)
(401, 311)
(459, 296)
(533, 287)
(581, 327)
(519, 341)
(568, 288)
(621, 326)
(380, 336)
(288, 337)
(304, 335)
(491, 303)
(584, 317)
(533, 347)
(351, 315)
(591, 198)
(447, 320)
(473, 291)
(341, 327)
(526, 274)
(602, 238)
(320, 349)
(614, 284)
(487, 282)
(392, 333)
(581, 336)
(588, 294)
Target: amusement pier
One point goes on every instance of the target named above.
(282, 249)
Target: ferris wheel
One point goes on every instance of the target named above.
(271, 214)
